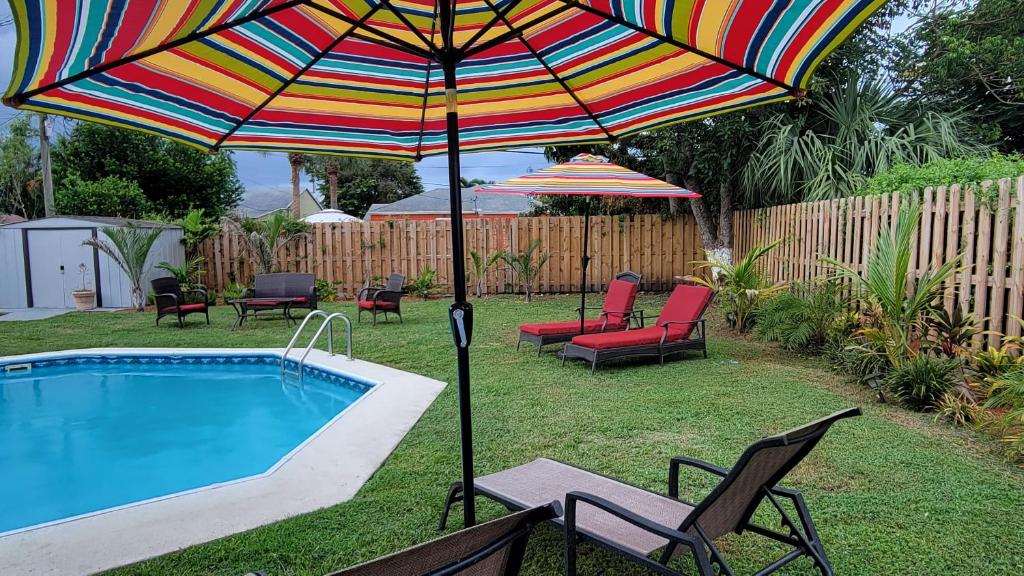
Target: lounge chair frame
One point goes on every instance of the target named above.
(697, 340)
(391, 293)
(690, 536)
(634, 319)
(169, 298)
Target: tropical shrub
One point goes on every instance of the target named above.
(110, 196)
(189, 274)
(899, 307)
(196, 229)
(526, 265)
(478, 271)
(261, 238)
(423, 285)
(950, 334)
(325, 291)
(800, 318)
(921, 381)
(1007, 397)
(233, 291)
(129, 247)
(741, 286)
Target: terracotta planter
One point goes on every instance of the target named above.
(84, 299)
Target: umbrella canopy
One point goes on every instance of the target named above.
(410, 78)
(329, 215)
(588, 174)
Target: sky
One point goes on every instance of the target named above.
(269, 176)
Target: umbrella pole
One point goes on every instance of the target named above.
(461, 312)
(584, 262)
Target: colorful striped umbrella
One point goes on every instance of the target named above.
(410, 78)
(588, 175)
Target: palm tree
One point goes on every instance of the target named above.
(480, 265)
(526, 265)
(261, 239)
(129, 247)
(900, 306)
(331, 167)
(297, 161)
(853, 132)
(741, 285)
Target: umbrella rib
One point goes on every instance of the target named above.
(682, 45)
(330, 46)
(399, 44)
(18, 99)
(487, 27)
(426, 88)
(398, 14)
(512, 34)
(552, 72)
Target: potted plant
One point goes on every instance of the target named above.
(85, 298)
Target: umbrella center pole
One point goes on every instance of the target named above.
(584, 262)
(461, 312)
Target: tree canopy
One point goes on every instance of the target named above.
(173, 177)
(365, 181)
(20, 184)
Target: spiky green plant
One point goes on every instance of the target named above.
(922, 381)
(129, 247)
(801, 318)
(526, 265)
(478, 271)
(196, 229)
(189, 273)
(741, 285)
(900, 306)
(262, 238)
(1007, 394)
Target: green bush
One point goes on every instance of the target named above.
(922, 381)
(908, 178)
(110, 196)
(423, 285)
(325, 291)
(801, 318)
(233, 291)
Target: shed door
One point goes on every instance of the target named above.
(54, 260)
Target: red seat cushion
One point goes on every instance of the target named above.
(625, 339)
(199, 307)
(618, 302)
(552, 328)
(380, 304)
(300, 300)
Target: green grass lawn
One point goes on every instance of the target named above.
(892, 492)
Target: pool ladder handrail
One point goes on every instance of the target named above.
(326, 324)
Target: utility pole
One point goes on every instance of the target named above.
(44, 164)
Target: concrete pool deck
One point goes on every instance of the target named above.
(329, 468)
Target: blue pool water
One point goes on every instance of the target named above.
(84, 434)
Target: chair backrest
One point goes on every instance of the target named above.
(761, 467)
(166, 285)
(628, 276)
(395, 283)
(618, 302)
(284, 285)
(494, 548)
(687, 303)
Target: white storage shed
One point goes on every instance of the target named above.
(40, 261)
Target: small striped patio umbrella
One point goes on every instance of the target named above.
(411, 78)
(587, 175)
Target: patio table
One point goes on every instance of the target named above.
(250, 307)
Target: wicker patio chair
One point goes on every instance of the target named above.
(171, 301)
(638, 523)
(616, 314)
(382, 299)
(495, 548)
(680, 327)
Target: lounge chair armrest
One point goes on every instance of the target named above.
(388, 295)
(368, 292)
(678, 461)
(170, 298)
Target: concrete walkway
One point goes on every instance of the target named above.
(24, 314)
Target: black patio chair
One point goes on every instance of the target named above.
(495, 548)
(637, 523)
(382, 299)
(170, 300)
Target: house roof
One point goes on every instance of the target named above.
(86, 221)
(260, 202)
(436, 202)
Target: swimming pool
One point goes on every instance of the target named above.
(87, 433)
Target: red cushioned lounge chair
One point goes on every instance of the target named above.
(382, 299)
(679, 327)
(170, 300)
(616, 314)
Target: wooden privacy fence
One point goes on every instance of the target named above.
(350, 254)
(986, 227)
